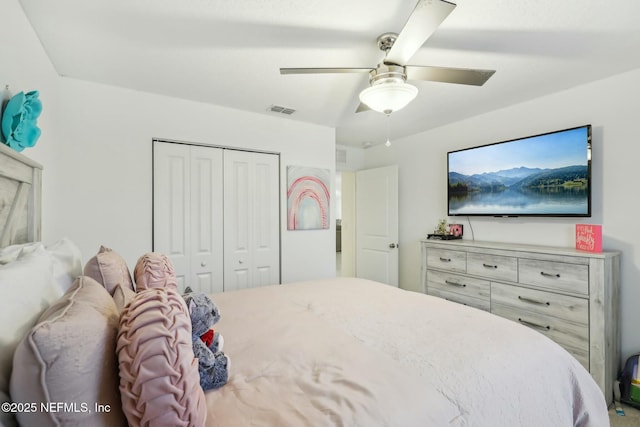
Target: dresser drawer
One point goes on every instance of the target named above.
(557, 276)
(569, 335)
(460, 284)
(482, 304)
(564, 307)
(447, 259)
(493, 266)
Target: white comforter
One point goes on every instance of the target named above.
(351, 352)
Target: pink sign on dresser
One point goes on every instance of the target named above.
(589, 237)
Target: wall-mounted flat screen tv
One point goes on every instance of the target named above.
(540, 175)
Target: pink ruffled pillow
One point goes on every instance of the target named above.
(159, 380)
(154, 270)
(109, 269)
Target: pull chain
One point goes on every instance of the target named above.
(388, 143)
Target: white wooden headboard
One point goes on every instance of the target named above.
(20, 198)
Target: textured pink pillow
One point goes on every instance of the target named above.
(122, 296)
(108, 268)
(154, 270)
(159, 380)
(69, 356)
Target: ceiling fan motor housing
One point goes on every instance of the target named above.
(388, 91)
(387, 73)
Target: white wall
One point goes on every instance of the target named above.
(353, 158)
(611, 106)
(96, 151)
(24, 67)
(107, 167)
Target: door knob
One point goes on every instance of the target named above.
(393, 245)
(203, 264)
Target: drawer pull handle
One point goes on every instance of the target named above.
(445, 259)
(489, 266)
(533, 301)
(449, 282)
(557, 276)
(533, 325)
(448, 299)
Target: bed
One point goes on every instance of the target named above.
(332, 352)
(355, 352)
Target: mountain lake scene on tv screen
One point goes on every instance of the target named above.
(541, 175)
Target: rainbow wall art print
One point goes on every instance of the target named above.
(307, 198)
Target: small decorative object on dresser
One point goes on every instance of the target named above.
(455, 230)
(589, 237)
(441, 228)
(444, 231)
(571, 296)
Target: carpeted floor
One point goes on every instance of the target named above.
(631, 417)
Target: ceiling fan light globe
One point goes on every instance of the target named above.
(388, 97)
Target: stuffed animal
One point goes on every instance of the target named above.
(213, 364)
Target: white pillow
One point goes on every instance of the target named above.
(10, 253)
(66, 257)
(26, 290)
(67, 263)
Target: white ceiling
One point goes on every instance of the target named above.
(228, 52)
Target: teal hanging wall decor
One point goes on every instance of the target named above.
(19, 121)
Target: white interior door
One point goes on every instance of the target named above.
(206, 226)
(377, 224)
(252, 226)
(187, 213)
(171, 181)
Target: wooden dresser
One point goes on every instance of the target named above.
(571, 296)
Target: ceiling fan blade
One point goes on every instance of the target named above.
(323, 70)
(424, 20)
(362, 107)
(464, 76)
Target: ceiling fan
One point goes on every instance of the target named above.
(388, 90)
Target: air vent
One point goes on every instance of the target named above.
(281, 109)
(341, 156)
